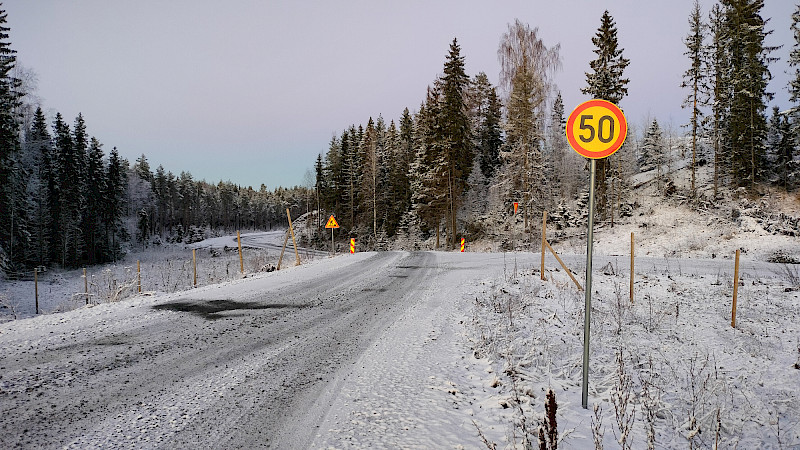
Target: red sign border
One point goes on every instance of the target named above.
(620, 119)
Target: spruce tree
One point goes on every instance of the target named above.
(749, 61)
(794, 82)
(606, 82)
(95, 191)
(651, 153)
(41, 188)
(13, 230)
(694, 78)
(429, 171)
(114, 210)
(455, 138)
(719, 75)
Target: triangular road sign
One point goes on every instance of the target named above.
(332, 223)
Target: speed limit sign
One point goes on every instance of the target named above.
(596, 129)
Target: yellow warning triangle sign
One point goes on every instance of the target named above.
(332, 223)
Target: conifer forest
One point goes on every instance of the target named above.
(449, 165)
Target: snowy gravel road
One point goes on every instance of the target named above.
(253, 363)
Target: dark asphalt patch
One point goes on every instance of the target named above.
(212, 309)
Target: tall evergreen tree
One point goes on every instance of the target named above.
(455, 138)
(486, 124)
(606, 82)
(41, 188)
(794, 82)
(719, 75)
(114, 209)
(70, 196)
(94, 234)
(749, 61)
(428, 173)
(13, 231)
(694, 78)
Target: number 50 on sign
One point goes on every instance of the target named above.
(596, 129)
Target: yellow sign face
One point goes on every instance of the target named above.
(596, 129)
(332, 223)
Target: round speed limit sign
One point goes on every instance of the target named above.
(596, 129)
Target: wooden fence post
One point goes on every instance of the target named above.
(566, 269)
(194, 265)
(294, 242)
(631, 266)
(241, 260)
(139, 275)
(36, 287)
(735, 289)
(285, 241)
(544, 241)
(86, 285)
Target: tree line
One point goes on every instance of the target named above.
(472, 149)
(454, 166)
(64, 202)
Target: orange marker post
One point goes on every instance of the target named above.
(352, 245)
(462, 244)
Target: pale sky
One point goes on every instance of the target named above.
(251, 91)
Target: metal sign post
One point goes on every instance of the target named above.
(595, 129)
(587, 320)
(332, 224)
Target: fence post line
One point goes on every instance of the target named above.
(86, 285)
(544, 234)
(241, 260)
(735, 289)
(139, 275)
(194, 265)
(631, 266)
(36, 287)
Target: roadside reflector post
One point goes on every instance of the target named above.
(352, 245)
(194, 266)
(631, 266)
(544, 233)
(36, 287)
(139, 275)
(241, 260)
(462, 244)
(735, 288)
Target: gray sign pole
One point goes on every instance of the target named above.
(587, 315)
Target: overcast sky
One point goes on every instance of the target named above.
(251, 91)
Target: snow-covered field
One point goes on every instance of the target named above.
(164, 269)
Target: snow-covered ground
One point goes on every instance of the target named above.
(164, 269)
(470, 354)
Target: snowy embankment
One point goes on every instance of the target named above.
(672, 353)
(164, 269)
